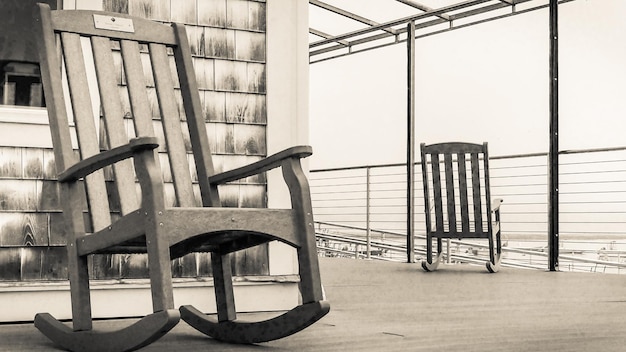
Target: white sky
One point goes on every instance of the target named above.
(483, 83)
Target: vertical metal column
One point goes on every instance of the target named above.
(410, 147)
(368, 213)
(553, 159)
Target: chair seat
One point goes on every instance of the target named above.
(223, 230)
(462, 235)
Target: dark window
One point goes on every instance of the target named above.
(20, 82)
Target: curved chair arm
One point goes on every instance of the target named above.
(495, 208)
(271, 162)
(108, 157)
(495, 205)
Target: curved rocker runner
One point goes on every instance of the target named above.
(281, 326)
(133, 337)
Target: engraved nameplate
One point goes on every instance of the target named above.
(112, 23)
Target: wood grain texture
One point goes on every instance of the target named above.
(255, 74)
(250, 46)
(11, 162)
(120, 6)
(238, 14)
(214, 109)
(185, 11)
(219, 43)
(212, 13)
(113, 116)
(151, 9)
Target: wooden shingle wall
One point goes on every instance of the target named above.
(228, 44)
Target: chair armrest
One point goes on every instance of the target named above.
(108, 157)
(495, 205)
(263, 165)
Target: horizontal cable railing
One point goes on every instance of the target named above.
(369, 202)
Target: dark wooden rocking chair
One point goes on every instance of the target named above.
(147, 223)
(460, 198)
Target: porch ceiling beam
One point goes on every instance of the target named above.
(326, 36)
(349, 15)
(399, 21)
(497, 6)
(356, 42)
(433, 22)
(422, 8)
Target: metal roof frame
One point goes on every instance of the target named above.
(428, 21)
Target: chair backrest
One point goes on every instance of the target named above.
(456, 189)
(156, 95)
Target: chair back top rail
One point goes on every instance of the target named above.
(83, 22)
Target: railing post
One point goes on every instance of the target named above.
(368, 228)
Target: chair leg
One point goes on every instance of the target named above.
(223, 282)
(288, 323)
(78, 269)
(493, 265)
(431, 264)
(160, 267)
(84, 338)
(309, 271)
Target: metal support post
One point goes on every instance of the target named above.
(410, 148)
(368, 228)
(553, 159)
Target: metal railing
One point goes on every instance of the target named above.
(368, 204)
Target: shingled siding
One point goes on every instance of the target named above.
(228, 45)
(32, 232)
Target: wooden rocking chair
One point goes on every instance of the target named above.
(148, 224)
(461, 200)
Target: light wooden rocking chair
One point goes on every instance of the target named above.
(462, 205)
(148, 224)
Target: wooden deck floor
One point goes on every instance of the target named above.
(379, 306)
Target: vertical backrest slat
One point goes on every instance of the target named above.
(114, 121)
(64, 156)
(179, 164)
(85, 127)
(487, 187)
(195, 118)
(450, 199)
(434, 162)
(463, 192)
(426, 187)
(53, 88)
(137, 93)
(476, 193)
(138, 96)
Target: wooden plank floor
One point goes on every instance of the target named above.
(380, 306)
